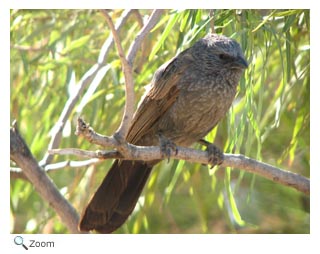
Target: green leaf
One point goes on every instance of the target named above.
(172, 21)
(81, 42)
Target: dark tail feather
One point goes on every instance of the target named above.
(116, 197)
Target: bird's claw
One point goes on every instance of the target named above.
(167, 147)
(215, 155)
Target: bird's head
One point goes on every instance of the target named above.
(220, 51)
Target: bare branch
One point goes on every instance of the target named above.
(127, 67)
(138, 17)
(99, 154)
(109, 42)
(16, 173)
(70, 164)
(270, 172)
(83, 129)
(87, 78)
(211, 14)
(239, 161)
(20, 153)
(152, 21)
(150, 153)
(127, 71)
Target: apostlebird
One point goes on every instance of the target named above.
(187, 98)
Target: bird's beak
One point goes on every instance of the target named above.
(242, 62)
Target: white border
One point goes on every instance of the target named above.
(162, 243)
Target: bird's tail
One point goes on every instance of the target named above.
(116, 197)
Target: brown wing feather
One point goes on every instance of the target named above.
(158, 100)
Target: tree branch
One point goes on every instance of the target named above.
(150, 153)
(87, 78)
(152, 21)
(16, 173)
(127, 68)
(21, 155)
(127, 71)
(270, 172)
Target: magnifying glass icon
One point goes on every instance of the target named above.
(18, 240)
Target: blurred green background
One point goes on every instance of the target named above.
(270, 119)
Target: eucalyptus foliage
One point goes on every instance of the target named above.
(270, 119)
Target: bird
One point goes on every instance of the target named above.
(187, 97)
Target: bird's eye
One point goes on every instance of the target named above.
(224, 57)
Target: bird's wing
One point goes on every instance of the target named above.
(163, 93)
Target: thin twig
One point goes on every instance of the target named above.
(138, 16)
(211, 14)
(127, 71)
(16, 173)
(70, 164)
(84, 130)
(102, 59)
(152, 21)
(87, 78)
(127, 68)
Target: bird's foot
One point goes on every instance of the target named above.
(167, 147)
(215, 155)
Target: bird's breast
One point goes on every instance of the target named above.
(198, 108)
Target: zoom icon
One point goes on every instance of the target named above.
(18, 240)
